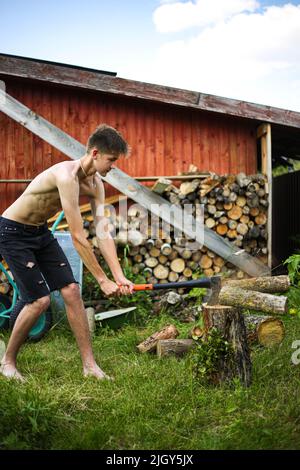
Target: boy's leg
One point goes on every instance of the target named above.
(79, 325)
(57, 271)
(25, 321)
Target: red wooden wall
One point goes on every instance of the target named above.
(164, 139)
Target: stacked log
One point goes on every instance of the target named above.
(234, 206)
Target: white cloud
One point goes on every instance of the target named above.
(172, 17)
(250, 56)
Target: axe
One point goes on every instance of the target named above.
(249, 294)
(213, 283)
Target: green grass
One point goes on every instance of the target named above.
(152, 404)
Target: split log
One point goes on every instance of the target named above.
(210, 223)
(149, 243)
(254, 211)
(196, 332)
(222, 229)
(90, 314)
(154, 252)
(208, 272)
(235, 296)
(267, 331)
(235, 213)
(135, 237)
(188, 187)
(161, 271)
(169, 332)
(229, 321)
(232, 234)
(241, 201)
(163, 259)
(173, 277)
(242, 229)
(177, 347)
(206, 262)
(166, 249)
(177, 265)
(151, 262)
(261, 219)
(187, 272)
(232, 224)
(161, 185)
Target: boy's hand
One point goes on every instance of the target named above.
(125, 286)
(109, 287)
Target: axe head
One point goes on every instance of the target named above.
(215, 287)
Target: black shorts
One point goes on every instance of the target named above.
(35, 259)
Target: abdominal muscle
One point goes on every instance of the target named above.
(33, 210)
(38, 203)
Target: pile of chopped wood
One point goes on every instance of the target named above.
(235, 207)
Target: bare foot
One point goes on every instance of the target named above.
(96, 372)
(11, 372)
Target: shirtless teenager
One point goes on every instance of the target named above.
(34, 255)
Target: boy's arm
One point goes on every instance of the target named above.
(105, 241)
(69, 195)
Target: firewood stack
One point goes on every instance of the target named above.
(235, 206)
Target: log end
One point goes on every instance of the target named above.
(270, 332)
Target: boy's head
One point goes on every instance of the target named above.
(108, 140)
(105, 146)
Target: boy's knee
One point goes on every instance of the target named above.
(42, 303)
(71, 291)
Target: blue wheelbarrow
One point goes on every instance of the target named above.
(10, 309)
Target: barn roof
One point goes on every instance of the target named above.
(108, 82)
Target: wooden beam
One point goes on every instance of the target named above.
(264, 133)
(138, 178)
(153, 202)
(262, 130)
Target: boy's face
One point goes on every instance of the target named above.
(103, 162)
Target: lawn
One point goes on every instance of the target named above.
(153, 403)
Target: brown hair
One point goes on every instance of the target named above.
(107, 140)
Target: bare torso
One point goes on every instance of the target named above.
(41, 199)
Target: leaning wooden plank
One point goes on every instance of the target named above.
(127, 185)
(87, 207)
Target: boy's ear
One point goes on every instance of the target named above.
(94, 153)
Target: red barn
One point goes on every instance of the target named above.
(167, 128)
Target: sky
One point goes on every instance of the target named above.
(243, 49)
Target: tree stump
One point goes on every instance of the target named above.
(229, 321)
